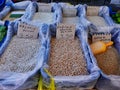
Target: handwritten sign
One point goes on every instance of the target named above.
(27, 30)
(43, 7)
(105, 37)
(65, 31)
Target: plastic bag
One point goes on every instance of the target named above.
(4, 12)
(81, 81)
(115, 2)
(7, 38)
(18, 81)
(82, 15)
(104, 12)
(20, 5)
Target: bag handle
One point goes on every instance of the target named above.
(52, 82)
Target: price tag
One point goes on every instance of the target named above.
(43, 7)
(65, 31)
(105, 37)
(101, 33)
(27, 30)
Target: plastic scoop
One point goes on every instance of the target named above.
(100, 47)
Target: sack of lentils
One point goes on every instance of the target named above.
(69, 64)
(110, 65)
(21, 60)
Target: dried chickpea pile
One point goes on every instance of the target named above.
(66, 58)
(109, 61)
(20, 55)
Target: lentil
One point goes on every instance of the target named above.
(109, 61)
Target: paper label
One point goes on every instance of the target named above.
(43, 7)
(65, 31)
(27, 30)
(105, 37)
(101, 33)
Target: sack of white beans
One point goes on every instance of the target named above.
(21, 59)
(67, 64)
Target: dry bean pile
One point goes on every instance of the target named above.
(20, 55)
(71, 20)
(66, 58)
(109, 61)
(44, 17)
(97, 20)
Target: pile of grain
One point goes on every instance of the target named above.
(97, 20)
(66, 58)
(19, 56)
(109, 61)
(71, 20)
(44, 17)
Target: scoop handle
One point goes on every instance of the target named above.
(109, 44)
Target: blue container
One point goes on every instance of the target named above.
(2, 4)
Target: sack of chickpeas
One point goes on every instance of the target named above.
(67, 64)
(21, 58)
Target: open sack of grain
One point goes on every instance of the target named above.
(67, 64)
(16, 11)
(21, 60)
(109, 64)
(69, 15)
(47, 13)
(108, 60)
